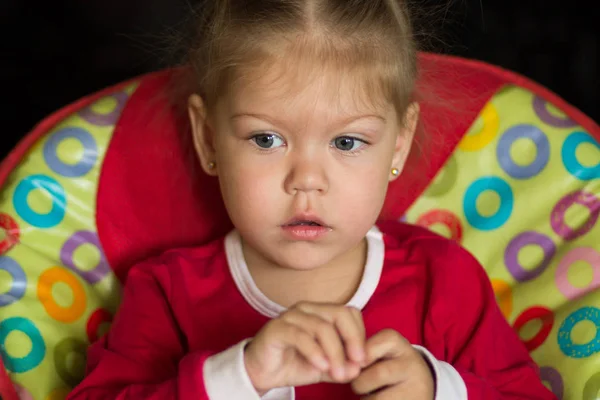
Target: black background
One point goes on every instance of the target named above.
(53, 52)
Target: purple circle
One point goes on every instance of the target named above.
(68, 249)
(90, 152)
(552, 376)
(557, 217)
(541, 110)
(111, 118)
(512, 251)
(505, 143)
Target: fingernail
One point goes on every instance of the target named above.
(339, 373)
(323, 364)
(357, 353)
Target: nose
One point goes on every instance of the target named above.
(306, 174)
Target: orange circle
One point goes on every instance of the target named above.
(503, 293)
(47, 280)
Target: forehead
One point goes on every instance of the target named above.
(300, 86)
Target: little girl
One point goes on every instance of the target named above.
(305, 111)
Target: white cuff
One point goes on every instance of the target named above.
(448, 382)
(225, 378)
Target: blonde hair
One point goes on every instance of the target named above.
(372, 38)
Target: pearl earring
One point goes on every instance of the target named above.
(211, 165)
(395, 171)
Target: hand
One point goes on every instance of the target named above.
(309, 343)
(394, 370)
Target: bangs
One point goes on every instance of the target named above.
(373, 76)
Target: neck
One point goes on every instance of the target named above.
(335, 283)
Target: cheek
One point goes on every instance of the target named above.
(247, 191)
(365, 190)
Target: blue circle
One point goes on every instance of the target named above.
(542, 155)
(481, 185)
(56, 192)
(565, 343)
(19, 281)
(90, 152)
(38, 347)
(570, 159)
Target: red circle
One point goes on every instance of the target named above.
(547, 317)
(449, 219)
(97, 318)
(12, 232)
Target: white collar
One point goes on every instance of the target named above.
(267, 307)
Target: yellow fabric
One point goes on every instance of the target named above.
(500, 195)
(55, 284)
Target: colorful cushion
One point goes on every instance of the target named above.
(58, 291)
(522, 193)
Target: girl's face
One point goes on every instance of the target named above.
(303, 167)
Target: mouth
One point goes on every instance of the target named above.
(306, 228)
(305, 221)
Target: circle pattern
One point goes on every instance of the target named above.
(509, 137)
(552, 376)
(537, 312)
(38, 346)
(477, 141)
(511, 255)
(72, 244)
(19, 281)
(61, 354)
(47, 211)
(46, 282)
(22, 393)
(504, 296)
(111, 118)
(11, 232)
(53, 189)
(569, 156)
(447, 180)
(90, 152)
(592, 387)
(540, 106)
(565, 342)
(588, 254)
(445, 217)
(557, 218)
(481, 185)
(98, 317)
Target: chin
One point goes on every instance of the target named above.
(302, 260)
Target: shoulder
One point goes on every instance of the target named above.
(447, 265)
(177, 264)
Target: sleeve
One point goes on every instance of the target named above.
(472, 340)
(143, 356)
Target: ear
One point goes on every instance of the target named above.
(202, 134)
(405, 138)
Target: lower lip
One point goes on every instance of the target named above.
(305, 232)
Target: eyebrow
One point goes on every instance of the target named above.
(275, 122)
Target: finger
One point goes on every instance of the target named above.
(348, 322)
(352, 329)
(385, 344)
(308, 347)
(380, 376)
(304, 343)
(326, 335)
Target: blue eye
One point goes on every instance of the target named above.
(347, 143)
(267, 141)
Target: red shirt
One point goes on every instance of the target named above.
(190, 305)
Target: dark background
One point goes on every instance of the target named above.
(53, 52)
